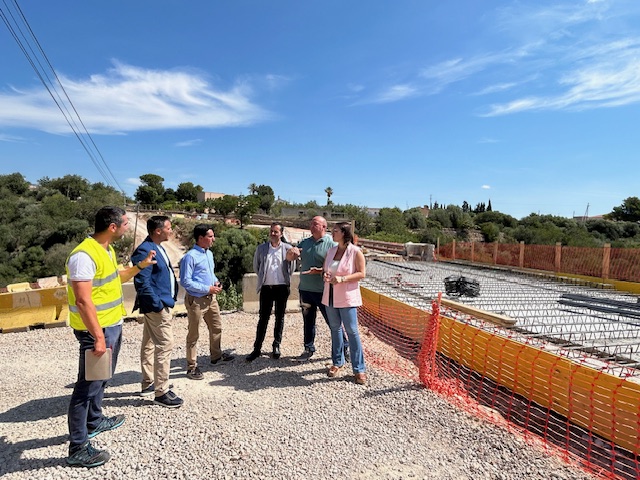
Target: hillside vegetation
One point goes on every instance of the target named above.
(40, 224)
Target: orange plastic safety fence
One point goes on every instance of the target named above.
(621, 264)
(570, 405)
(624, 264)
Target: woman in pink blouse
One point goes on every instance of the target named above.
(344, 266)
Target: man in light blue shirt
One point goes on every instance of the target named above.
(198, 279)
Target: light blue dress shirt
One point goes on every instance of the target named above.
(197, 271)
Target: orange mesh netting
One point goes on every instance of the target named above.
(574, 403)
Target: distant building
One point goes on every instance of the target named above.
(204, 196)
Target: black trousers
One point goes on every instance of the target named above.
(270, 295)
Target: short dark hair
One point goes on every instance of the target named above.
(273, 224)
(155, 222)
(106, 216)
(345, 228)
(201, 230)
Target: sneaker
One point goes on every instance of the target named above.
(88, 457)
(169, 400)
(305, 356)
(252, 356)
(194, 374)
(151, 389)
(276, 352)
(107, 423)
(225, 358)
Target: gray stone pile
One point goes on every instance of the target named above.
(269, 419)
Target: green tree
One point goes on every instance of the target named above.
(415, 219)
(71, 186)
(365, 224)
(245, 208)
(233, 251)
(329, 192)
(391, 220)
(151, 192)
(225, 205)
(15, 183)
(490, 232)
(266, 197)
(253, 188)
(629, 211)
(188, 192)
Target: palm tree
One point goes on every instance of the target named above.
(329, 192)
(253, 188)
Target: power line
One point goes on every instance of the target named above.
(26, 43)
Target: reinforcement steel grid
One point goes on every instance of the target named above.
(576, 321)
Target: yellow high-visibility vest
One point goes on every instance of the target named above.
(106, 291)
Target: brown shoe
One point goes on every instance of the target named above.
(335, 370)
(361, 378)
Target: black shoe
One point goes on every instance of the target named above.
(151, 389)
(304, 356)
(225, 358)
(169, 400)
(88, 457)
(276, 352)
(107, 423)
(253, 355)
(194, 374)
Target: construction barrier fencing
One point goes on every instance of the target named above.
(569, 403)
(606, 263)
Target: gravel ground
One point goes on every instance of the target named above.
(274, 419)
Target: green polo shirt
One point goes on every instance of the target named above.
(312, 254)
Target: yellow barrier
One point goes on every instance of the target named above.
(600, 402)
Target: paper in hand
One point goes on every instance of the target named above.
(97, 368)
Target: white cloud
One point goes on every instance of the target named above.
(394, 94)
(10, 138)
(488, 140)
(189, 143)
(614, 81)
(128, 98)
(133, 181)
(486, 187)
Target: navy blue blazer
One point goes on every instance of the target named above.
(153, 284)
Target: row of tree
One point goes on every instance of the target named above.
(40, 224)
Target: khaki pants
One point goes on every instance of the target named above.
(155, 352)
(205, 308)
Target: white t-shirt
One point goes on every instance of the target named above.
(274, 267)
(81, 267)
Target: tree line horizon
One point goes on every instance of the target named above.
(41, 223)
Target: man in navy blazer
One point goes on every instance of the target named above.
(156, 293)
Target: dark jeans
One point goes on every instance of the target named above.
(270, 295)
(312, 302)
(85, 408)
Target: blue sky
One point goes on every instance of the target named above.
(533, 105)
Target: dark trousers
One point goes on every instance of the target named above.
(85, 408)
(270, 295)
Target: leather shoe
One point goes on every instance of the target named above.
(252, 356)
(276, 353)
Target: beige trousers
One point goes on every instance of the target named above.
(205, 308)
(156, 348)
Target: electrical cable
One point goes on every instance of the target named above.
(26, 47)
